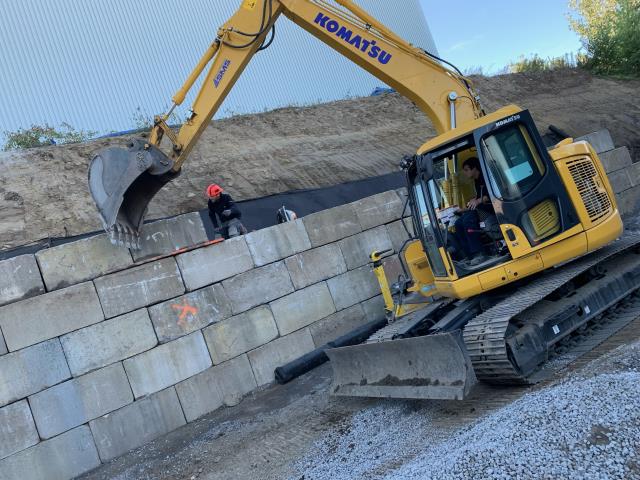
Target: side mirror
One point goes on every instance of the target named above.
(425, 166)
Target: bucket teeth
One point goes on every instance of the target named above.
(123, 236)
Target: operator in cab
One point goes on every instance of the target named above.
(478, 209)
(224, 213)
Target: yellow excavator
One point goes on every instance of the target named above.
(451, 320)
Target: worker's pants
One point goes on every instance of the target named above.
(232, 228)
(467, 233)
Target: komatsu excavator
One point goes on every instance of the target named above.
(554, 267)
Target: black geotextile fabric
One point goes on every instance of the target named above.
(261, 212)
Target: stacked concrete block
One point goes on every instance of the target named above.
(31, 370)
(137, 424)
(139, 286)
(280, 241)
(601, 140)
(19, 279)
(120, 353)
(80, 261)
(217, 262)
(65, 456)
(108, 342)
(616, 159)
(165, 236)
(399, 233)
(240, 334)
(48, 316)
(188, 313)
(17, 428)
(224, 384)
(258, 286)
(72, 403)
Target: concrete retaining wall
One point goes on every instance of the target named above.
(101, 352)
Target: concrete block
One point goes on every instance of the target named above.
(167, 364)
(108, 342)
(356, 249)
(3, 345)
(223, 384)
(398, 234)
(316, 265)
(258, 286)
(629, 201)
(193, 311)
(634, 174)
(66, 456)
(374, 308)
(353, 287)
(166, 236)
(80, 261)
(19, 279)
(338, 324)
(47, 316)
(137, 424)
(31, 369)
(379, 209)
(619, 180)
(332, 225)
(215, 263)
(17, 430)
(302, 308)
(616, 159)
(601, 140)
(69, 404)
(266, 359)
(139, 286)
(239, 334)
(280, 241)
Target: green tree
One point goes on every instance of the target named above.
(42, 135)
(610, 33)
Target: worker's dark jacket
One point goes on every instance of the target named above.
(225, 202)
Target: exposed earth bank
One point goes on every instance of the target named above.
(44, 191)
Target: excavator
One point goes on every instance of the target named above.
(557, 259)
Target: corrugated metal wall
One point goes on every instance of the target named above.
(97, 64)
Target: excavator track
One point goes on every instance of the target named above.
(485, 336)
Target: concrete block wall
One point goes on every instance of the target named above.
(103, 349)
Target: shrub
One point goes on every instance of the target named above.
(42, 135)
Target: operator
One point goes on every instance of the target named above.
(467, 226)
(224, 213)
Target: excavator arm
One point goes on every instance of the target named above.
(123, 181)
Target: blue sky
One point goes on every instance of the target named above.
(492, 33)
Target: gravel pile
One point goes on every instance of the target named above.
(587, 426)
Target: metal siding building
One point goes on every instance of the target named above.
(97, 65)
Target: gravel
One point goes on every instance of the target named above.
(585, 426)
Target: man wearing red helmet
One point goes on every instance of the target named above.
(224, 213)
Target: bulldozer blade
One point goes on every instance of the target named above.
(122, 182)
(427, 367)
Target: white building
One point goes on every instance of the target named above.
(98, 65)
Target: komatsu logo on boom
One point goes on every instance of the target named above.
(367, 46)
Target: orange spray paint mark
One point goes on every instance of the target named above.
(185, 310)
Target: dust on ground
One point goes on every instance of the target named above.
(44, 191)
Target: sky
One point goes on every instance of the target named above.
(493, 33)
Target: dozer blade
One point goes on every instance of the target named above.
(122, 182)
(428, 367)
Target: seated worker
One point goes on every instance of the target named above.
(224, 213)
(467, 226)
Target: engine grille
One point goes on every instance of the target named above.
(594, 196)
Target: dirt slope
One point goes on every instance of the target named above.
(44, 190)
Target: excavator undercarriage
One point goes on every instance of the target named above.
(507, 336)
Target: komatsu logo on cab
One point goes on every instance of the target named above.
(364, 45)
(512, 118)
(221, 72)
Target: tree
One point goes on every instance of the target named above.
(610, 32)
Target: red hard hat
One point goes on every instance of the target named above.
(213, 190)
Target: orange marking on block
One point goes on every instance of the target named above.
(185, 310)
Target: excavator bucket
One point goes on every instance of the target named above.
(122, 182)
(427, 367)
